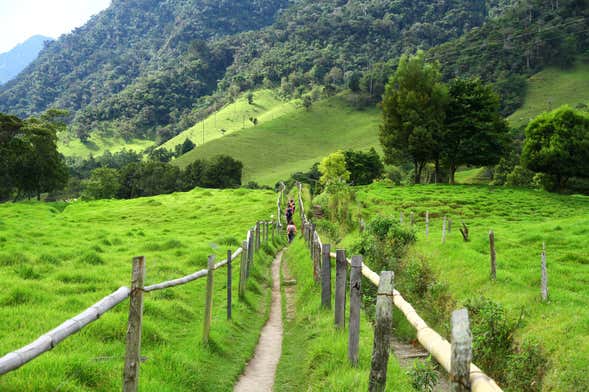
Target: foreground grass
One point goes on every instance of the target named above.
(521, 220)
(58, 259)
(314, 354)
(551, 88)
(293, 142)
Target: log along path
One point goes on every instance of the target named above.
(260, 371)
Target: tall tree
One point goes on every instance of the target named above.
(413, 113)
(475, 132)
(557, 143)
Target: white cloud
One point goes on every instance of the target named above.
(21, 19)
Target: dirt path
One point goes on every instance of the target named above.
(261, 369)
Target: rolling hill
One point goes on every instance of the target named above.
(18, 58)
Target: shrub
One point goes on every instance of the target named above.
(91, 258)
(424, 375)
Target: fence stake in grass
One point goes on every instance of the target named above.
(273, 232)
(243, 269)
(544, 274)
(464, 232)
(316, 259)
(133, 341)
(426, 224)
(326, 277)
(493, 255)
(250, 255)
(209, 301)
(401, 217)
(449, 225)
(461, 351)
(258, 243)
(412, 219)
(444, 230)
(355, 299)
(229, 284)
(382, 333)
(341, 269)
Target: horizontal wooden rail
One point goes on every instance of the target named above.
(46, 342)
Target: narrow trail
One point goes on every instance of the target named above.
(407, 353)
(261, 369)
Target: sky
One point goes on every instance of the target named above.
(21, 19)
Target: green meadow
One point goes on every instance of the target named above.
(551, 88)
(98, 145)
(522, 220)
(57, 259)
(277, 148)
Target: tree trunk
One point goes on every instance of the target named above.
(452, 174)
(417, 173)
(437, 171)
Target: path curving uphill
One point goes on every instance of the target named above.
(260, 371)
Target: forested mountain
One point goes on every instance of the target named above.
(141, 68)
(17, 59)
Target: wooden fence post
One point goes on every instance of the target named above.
(252, 248)
(449, 225)
(209, 301)
(355, 299)
(426, 224)
(341, 269)
(401, 217)
(229, 284)
(133, 341)
(461, 351)
(273, 231)
(316, 259)
(243, 269)
(444, 229)
(493, 255)
(544, 280)
(326, 277)
(258, 242)
(382, 333)
(412, 219)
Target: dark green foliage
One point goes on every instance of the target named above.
(222, 172)
(148, 179)
(161, 155)
(364, 167)
(557, 143)
(183, 148)
(29, 161)
(475, 133)
(104, 183)
(424, 376)
(413, 109)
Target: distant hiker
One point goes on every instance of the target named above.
(289, 212)
(292, 205)
(291, 231)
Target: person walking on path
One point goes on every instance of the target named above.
(291, 231)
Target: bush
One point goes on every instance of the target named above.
(424, 375)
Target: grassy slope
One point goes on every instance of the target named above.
(274, 150)
(99, 145)
(266, 107)
(55, 263)
(551, 88)
(315, 355)
(522, 220)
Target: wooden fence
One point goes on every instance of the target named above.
(255, 237)
(454, 357)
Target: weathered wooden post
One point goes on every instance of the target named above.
(544, 280)
(273, 231)
(426, 224)
(316, 259)
(229, 284)
(341, 270)
(355, 299)
(243, 269)
(401, 217)
(461, 351)
(449, 225)
(444, 223)
(266, 233)
(493, 255)
(258, 240)
(250, 258)
(133, 341)
(382, 333)
(412, 219)
(326, 277)
(209, 300)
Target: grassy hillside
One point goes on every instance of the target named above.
(522, 220)
(98, 145)
(266, 107)
(551, 88)
(277, 148)
(58, 259)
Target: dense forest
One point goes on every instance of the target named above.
(153, 68)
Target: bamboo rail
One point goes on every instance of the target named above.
(433, 342)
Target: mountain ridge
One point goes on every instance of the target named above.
(18, 58)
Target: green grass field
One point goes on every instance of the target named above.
(551, 88)
(314, 354)
(275, 149)
(98, 145)
(57, 259)
(522, 220)
(266, 106)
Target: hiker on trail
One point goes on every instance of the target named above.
(291, 231)
(289, 212)
(292, 205)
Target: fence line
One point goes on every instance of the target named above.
(433, 342)
(49, 340)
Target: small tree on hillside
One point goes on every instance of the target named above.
(364, 167)
(334, 177)
(557, 143)
(413, 110)
(475, 133)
